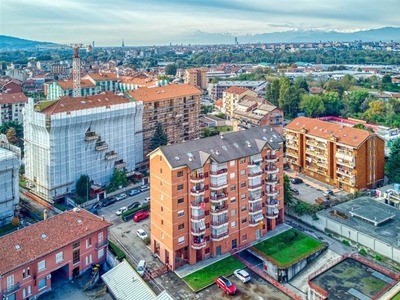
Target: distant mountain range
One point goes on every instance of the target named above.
(200, 37)
(295, 36)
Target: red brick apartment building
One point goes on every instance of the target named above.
(348, 158)
(67, 243)
(212, 195)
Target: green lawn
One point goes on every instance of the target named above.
(206, 276)
(397, 297)
(287, 248)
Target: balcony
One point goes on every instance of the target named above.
(197, 204)
(101, 147)
(219, 223)
(110, 155)
(272, 213)
(253, 186)
(220, 236)
(292, 154)
(256, 220)
(101, 244)
(215, 210)
(271, 170)
(255, 208)
(255, 174)
(255, 159)
(255, 198)
(271, 181)
(11, 290)
(197, 191)
(198, 245)
(271, 192)
(120, 165)
(271, 158)
(219, 172)
(198, 231)
(272, 203)
(218, 197)
(219, 185)
(196, 178)
(91, 136)
(292, 145)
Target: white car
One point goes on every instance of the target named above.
(146, 200)
(242, 275)
(144, 188)
(121, 211)
(120, 197)
(142, 234)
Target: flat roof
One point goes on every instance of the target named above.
(359, 214)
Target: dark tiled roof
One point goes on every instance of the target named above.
(60, 230)
(232, 146)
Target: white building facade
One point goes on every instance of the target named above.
(101, 133)
(10, 161)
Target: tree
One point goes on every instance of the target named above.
(272, 94)
(333, 104)
(393, 163)
(83, 186)
(363, 127)
(159, 138)
(301, 84)
(287, 193)
(11, 136)
(376, 111)
(333, 85)
(289, 99)
(170, 70)
(355, 102)
(118, 179)
(313, 106)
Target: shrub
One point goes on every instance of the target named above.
(15, 222)
(378, 257)
(362, 252)
(116, 251)
(143, 207)
(147, 241)
(347, 243)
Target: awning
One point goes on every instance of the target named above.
(258, 217)
(344, 156)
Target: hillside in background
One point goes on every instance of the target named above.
(13, 43)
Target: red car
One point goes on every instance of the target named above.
(141, 215)
(225, 284)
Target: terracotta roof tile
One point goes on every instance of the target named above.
(68, 104)
(60, 230)
(103, 76)
(12, 98)
(164, 92)
(345, 135)
(69, 84)
(236, 90)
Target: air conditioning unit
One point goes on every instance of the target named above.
(48, 276)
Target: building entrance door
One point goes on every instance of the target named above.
(258, 234)
(234, 244)
(218, 250)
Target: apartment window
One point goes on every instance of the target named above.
(75, 245)
(244, 237)
(100, 253)
(162, 222)
(242, 160)
(233, 187)
(23, 274)
(232, 163)
(28, 272)
(59, 257)
(181, 226)
(89, 259)
(181, 240)
(42, 283)
(243, 208)
(88, 242)
(243, 196)
(244, 220)
(242, 172)
(76, 256)
(233, 212)
(232, 175)
(24, 293)
(243, 185)
(160, 158)
(180, 187)
(181, 213)
(160, 183)
(180, 200)
(160, 171)
(233, 224)
(29, 290)
(233, 200)
(41, 265)
(179, 174)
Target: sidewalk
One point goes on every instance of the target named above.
(312, 182)
(188, 269)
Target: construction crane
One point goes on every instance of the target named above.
(76, 68)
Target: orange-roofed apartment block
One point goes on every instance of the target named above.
(216, 194)
(175, 106)
(33, 258)
(350, 159)
(196, 77)
(231, 98)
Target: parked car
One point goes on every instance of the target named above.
(296, 180)
(108, 202)
(141, 234)
(146, 200)
(242, 275)
(144, 188)
(97, 205)
(133, 205)
(295, 191)
(120, 197)
(141, 267)
(225, 284)
(327, 193)
(134, 192)
(94, 211)
(141, 215)
(121, 211)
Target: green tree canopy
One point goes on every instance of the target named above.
(83, 186)
(393, 163)
(301, 84)
(313, 106)
(118, 179)
(287, 193)
(363, 127)
(333, 104)
(159, 138)
(170, 70)
(272, 93)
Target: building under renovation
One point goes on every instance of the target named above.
(10, 161)
(70, 137)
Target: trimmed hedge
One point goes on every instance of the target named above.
(116, 251)
(129, 213)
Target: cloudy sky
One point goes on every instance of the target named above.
(156, 22)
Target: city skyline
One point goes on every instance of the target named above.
(160, 22)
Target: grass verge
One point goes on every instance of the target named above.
(206, 276)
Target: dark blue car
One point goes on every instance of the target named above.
(134, 192)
